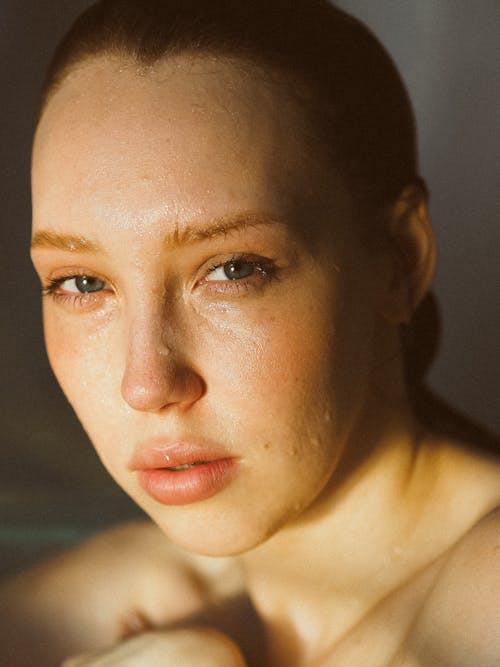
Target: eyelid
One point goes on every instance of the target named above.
(262, 264)
(266, 271)
(51, 285)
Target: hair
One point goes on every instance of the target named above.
(357, 103)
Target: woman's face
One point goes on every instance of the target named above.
(197, 310)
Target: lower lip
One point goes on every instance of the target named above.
(182, 487)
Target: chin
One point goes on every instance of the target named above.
(206, 540)
(220, 534)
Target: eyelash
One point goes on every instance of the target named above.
(73, 299)
(264, 270)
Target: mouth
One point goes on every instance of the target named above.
(181, 473)
(186, 466)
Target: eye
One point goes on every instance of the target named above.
(239, 269)
(81, 285)
(77, 287)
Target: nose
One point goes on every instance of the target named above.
(158, 376)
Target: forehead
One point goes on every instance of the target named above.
(210, 96)
(189, 136)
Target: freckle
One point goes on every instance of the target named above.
(266, 445)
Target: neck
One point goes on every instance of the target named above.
(363, 536)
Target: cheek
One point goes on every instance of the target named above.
(84, 363)
(272, 390)
(272, 369)
(314, 347)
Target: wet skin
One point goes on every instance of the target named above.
(161, 179)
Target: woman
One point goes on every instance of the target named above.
(231, 233)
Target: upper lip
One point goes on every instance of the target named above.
(167, 453)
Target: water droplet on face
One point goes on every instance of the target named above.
(314, 442)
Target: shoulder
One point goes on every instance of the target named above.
(139, 555)
(137, 559)
(94, 593)
(460, 623)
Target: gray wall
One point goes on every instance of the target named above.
(448, 52)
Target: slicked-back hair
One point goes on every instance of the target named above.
(357, 103)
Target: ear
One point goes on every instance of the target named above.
(413, 254)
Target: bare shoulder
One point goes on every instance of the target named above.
(141, 547)
(107, 587)
(460, 623)
(130, 564)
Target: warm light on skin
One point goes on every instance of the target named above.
(189, 235)
(277, 371)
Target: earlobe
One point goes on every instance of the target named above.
(412, 241)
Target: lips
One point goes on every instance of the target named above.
(180, 473)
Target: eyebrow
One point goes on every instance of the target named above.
(219, 227)
(191, 234)
(48, 239)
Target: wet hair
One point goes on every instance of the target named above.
(353, 95)
(358, 103)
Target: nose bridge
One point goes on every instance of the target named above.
(157, 373)
(150, 329)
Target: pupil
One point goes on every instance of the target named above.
(85, 284)
(238, 270)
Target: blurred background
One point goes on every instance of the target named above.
(52, 487)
